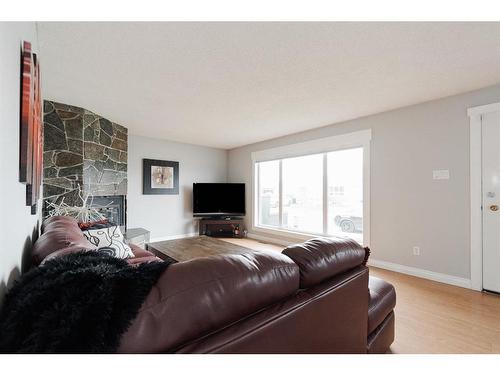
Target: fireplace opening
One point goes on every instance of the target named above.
(113, 207)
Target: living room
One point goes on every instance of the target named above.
(250, 187)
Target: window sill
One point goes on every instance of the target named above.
(291, 235)
(287, 233)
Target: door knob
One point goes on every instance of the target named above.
(494, 207)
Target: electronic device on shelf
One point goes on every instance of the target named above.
(220, 207)
(219, 200)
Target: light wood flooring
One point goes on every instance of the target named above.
(432, 317)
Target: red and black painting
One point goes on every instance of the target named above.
(31, 136)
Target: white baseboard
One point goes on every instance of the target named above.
(425, 274)
(413, 271)
(174, 237)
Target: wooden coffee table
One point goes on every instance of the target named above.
(185, 249)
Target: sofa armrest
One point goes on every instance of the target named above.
(322, 258)
(65, 251)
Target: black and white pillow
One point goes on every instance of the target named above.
(109, 240)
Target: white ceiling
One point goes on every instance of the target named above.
(229, 84)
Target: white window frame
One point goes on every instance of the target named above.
(319, 146)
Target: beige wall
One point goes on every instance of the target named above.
(17, 225)
(408, 207)
(170, 215)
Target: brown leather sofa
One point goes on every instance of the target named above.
(314, 297)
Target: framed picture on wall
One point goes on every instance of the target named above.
(160, 177)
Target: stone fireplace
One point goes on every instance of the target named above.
(85, 155)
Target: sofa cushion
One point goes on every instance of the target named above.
(382, 300)
(322, 258)
(57, 220)
(202, 295)
(139, 252)
(59, 232)
(140, 255)
(137, 261)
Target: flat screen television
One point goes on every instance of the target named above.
(221, 199)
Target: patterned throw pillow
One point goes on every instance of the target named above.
(110, 241)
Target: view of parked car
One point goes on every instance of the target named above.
(349, 224)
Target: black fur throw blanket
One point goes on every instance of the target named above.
(78, 303)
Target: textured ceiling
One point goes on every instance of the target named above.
(229, 84)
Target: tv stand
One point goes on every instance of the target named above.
(221, 227)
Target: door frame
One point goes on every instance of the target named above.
(476, 196)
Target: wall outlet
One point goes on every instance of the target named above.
(416, 250)
(441, 174)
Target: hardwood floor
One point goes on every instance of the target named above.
(432, 317)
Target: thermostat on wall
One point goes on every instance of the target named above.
(441, 174)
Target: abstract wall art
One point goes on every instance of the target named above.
(31, 129)
(160, 177)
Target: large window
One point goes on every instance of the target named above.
(345, 193)
(303, 193)
(269, 193)
(318, 193)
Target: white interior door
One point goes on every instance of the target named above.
(491, 200)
